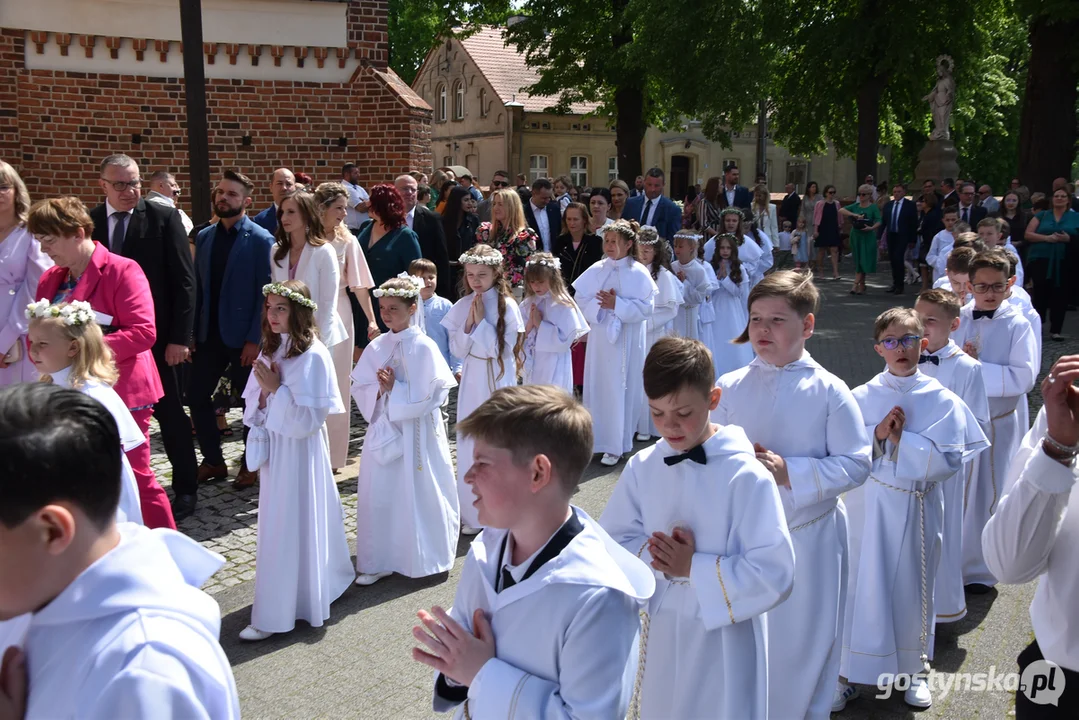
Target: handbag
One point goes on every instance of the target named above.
(257, 450)
(383, 439)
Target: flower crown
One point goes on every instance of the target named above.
(645, 238)
(695, 237)
(470, 259)
(414, 291)
(552, 263)
(731, 210)
(727, 236)
(290, 295)
(76, 312)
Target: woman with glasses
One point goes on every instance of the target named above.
(1049, 233)
(865, 219)
(826, 229)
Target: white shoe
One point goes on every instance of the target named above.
(253, 634)
(918, 695)
(641, 437)
(843, 694)
(469, 530)
(371, 578)
(610, 460)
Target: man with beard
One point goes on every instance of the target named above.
(232, 264)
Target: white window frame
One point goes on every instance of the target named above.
(441, 93)
(536, 169)
(459, 101)
(578, 170)
(612, 168)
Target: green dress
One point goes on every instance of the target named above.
(863, 243)
(387, 259)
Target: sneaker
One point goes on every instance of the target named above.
(371, 578)
(918, 695)
(610, 460)
(843, 694)
(253, 634)
(641, 437)
(469, 530)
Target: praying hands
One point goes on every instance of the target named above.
(456, 652)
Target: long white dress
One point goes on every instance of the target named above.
(660, 324)
(896, 521)
(302, 562)
(407, 513)
(806, 415)
(732, 316)
(697, 291)
(1008, 352)
(21, 264)
(961, 374)
(750, 255)
(705, 654)
(480, 374)
(129, 509)
(614, 359)
(547, 358)
(763, 263)
(1019, 296)
(318, 268)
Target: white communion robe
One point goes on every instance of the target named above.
(407, 512)
(302, 562)
(750, 255)
(961, 374)
(896, 522)
(808, 416)
(697, 291)
(129, 509)
(547, 358)
(764, 262)
(660, 324)
(480, 374)
(614, 358)
(705, 653)
(565, 636)
(732, 316)
(1008, 353)
(1019, 296)
(132, 636)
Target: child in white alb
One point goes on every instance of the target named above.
(695, 315)
(937, 257)
(435, 308)
(730, 305)
(655, 254)
(553, 322)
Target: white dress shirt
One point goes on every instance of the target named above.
(411, 217)
(969, 210)
(730, 192)
(647, 216)
(542, 226)
(156, 197)
(356, 195)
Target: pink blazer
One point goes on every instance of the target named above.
(116, 286)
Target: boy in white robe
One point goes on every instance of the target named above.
(119, 627)
(995, 332)
(545, 620)
(809, 433)
(993, 231)
(958, 274)
(698, 283)
(922, 433)
(937, 257)
(962, 374)
(703, 512)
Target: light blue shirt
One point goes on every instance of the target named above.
(433, 311)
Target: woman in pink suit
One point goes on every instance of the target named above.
(117, 290)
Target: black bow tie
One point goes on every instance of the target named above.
(695, 454)
(929, 359)
(984, 314)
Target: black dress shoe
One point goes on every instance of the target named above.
(897, 291)
(183, 506)
(977, 589)
(891, 289)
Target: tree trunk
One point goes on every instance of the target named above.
(1047, 128)
(629, 134)
(868, 99)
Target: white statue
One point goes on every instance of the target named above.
(942, 98)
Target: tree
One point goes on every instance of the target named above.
(416, 26)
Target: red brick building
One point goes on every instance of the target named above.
(290, 83)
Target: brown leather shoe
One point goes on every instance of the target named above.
(208, 472)
(246, 478)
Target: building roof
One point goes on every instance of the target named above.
(507, 72)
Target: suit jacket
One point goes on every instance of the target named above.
(554, 222)
(428, 228)
(267, 219)
(116, 286)
(951, 198)
(907, 222)
(742, 197)
(977, 214)
(239, 309)
(788, 209)
(157, 241)
(667, 219)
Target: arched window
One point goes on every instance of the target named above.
(459, 101)
(483, 102)
(441, 110)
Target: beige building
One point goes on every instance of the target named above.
(486, 122)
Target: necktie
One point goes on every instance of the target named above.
(929, 359)
(984, 314)
(895, 216)
(966, 215)
(695, 454)
(507, 579)
(118, 232)
(647, 209)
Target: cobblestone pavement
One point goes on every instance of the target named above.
(358, 665)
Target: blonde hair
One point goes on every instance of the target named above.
(94, 359)
(325, 195)
(9, 176)
(503, 287)
(515, 212)
(541, 267)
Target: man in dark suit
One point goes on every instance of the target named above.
(428, 228)
(732, 194)
(283, 182)
(153, 235)
(654, 208)
(900, 221)
(542, 215)
(790, 207)
(969, 211)
(949, 196)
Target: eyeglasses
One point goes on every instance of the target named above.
(907, 342)
(500, 183)
(829, 192)
(120, 185)
(864, 194)
(983, 288)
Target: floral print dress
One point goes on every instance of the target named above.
(515, 248)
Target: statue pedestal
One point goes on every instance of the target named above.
(938, 160)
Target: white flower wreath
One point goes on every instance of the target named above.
(416, 282)
(552, 263)
(290, 295)
(76, 312)
(470, 259)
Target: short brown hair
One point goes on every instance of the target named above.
(419, 266)
(676, 362)
(990, 260)
(897, 316)
(531, 420)
(959, 260)
(795, 287)
(946, 301)
(59, 217)
(998, 223)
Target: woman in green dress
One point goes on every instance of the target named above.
(865, 218)
(1049, 235)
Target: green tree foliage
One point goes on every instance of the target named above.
(415, 26)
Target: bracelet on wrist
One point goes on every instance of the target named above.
(1060, 448)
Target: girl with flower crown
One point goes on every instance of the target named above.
(68, 348)
(302, 563)
(483, 327)
(729, 304)
(409, 524)
(553, 323)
